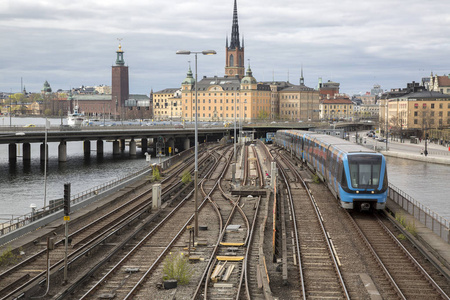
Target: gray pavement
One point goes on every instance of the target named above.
(436, 153)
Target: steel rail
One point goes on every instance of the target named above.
(377, 258)
(252, 230)
(152, 267)
(327, 238)
(294, 225)
(140, 244)
(91, 244)
(413, 260)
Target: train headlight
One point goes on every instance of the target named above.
(357, 192)
(373, 192)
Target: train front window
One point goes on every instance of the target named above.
(364, 171)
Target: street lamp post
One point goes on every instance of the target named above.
(204, 52)
(47, 126)
(235, 154)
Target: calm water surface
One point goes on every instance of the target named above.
(425, 182)
(23, 184)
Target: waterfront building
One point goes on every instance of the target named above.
(299, 102)
(338, 107)
(420, 111)
(167, 104)
(226, 98)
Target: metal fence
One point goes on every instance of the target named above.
(425, 215)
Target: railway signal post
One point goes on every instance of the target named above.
(66, 203)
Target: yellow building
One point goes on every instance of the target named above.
(338, 108)
(225, 98)
(420, 111)
(167, 104)
(298, 102)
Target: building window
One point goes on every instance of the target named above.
(432, 105)
(424, 105)
(416, 105)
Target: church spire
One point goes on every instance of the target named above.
(234, 65)
(235, 29)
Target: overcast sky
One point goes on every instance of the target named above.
(357, 43)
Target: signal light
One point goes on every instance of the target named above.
(66, 200)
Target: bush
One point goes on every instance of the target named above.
(8, 257)
(156, 174)
(176, 266)
(186, 177)
(411, 228)
(316, 179)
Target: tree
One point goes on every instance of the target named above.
(18, 98)
(263, 115)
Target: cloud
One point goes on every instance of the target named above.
(356, 43)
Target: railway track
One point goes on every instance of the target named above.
(226, 275)
(23, 276)
(319, 273)
(408, 278)
(161, 240)
(388, 280)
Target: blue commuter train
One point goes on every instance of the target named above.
(355, 175)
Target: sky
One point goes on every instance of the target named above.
(353, 42)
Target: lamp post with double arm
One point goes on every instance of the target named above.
(204, 52)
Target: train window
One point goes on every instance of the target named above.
(364, 171)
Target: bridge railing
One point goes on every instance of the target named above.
(438, 224)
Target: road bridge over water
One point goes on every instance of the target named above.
(174, 137)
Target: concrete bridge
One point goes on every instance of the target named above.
(174, 136)
(119, 136)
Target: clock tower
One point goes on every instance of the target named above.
(234, 52)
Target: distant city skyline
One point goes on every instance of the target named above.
(355, 43)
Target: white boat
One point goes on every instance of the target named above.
(76, 118)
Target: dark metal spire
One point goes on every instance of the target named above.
(235, 29)
(302, 80)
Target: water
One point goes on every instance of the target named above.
(23, 184)
(425, 182)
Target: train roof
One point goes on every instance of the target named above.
(338, 143)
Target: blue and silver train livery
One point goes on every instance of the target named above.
(355, 175)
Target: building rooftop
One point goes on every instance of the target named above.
(227, 83)
(424, 95)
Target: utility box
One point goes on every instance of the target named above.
(156, 196)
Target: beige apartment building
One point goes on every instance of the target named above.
(418, 111)
(225, 98)
(337, 108)
(167, 105)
